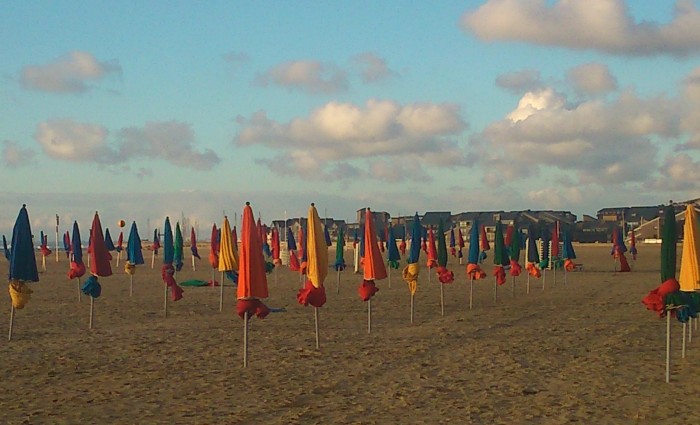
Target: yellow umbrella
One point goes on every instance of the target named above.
(228, 258)
(689, 277)
(313, 291)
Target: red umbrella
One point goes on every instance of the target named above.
(373, 266)
(252, 279)
(100, 265)
(276, 247)
(460, 245)
(432, 250)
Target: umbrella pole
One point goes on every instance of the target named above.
(89, 257)
(165, 301)
(245, 339)
(337, 283)
(12, 322)
(369, 316)
(194, 266)
(43, 263)
(412, 296)
(495, 291)
(685, 328)
(442, 299)
(153, 259)
(471, 292)
(221, 293)
(131, 285)
(80, 297)
(528, 284)
(544, 277)
(668, 347)
(119, 256)
(92, 311)
(318, 338)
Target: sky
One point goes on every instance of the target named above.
(142, 110)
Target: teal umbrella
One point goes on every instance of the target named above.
(178, 253)
(22, 264)
(393, 256)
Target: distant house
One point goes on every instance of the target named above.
(432, 219)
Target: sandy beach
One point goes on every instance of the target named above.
(582, 352)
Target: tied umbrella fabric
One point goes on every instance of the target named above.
(193, 244)
(533, 256)
(44, 248)
(500, 255)
(77, 268)
(339, 251)
(689, 275)
(460, 243)
(314, 292)
(214, 248)
(66, 244)
(134, 255)
(373, 265)
(22, 261)
(453, 243)
(92, 287)
(514, 247)
(432, 250)
(485, 246)
(276, 247)
(100, 266)
(178, 256)
(412, 270)
(444, 275)
(568, 253)
(474, 271)
(156, 242)
(252, 280)
(167, 272)
(393, 256)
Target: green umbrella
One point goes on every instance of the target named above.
(500, 254)
(441, 246)
(178, 252)
(669, 239)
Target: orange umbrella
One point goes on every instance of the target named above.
(432, 250)
(373, 266)
(252, 279)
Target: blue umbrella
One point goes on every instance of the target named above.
(416, 233)
(4, 246)
(108, 241)
(22, 260)
(22, 264)
(532, 255)
(327, 235)
(393, 256)
(291, 242)
(76, 246)
(168, 243)
(133, 246)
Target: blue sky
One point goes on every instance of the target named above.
(145, 109)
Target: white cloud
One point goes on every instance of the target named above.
(532, 102)
(70, 73)
(341, 131)
(15, 156)
(677, 174)
(305, 75)
(373, 68)
(592, 79)
(171, 141)
(73, 141)
(520, 81)
(604, 25)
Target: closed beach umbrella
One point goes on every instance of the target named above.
(689, 275)
(412, 270)
(432, 250)
(533, 255)
(340, 251)
(168, 270)
(373, 265)
(474, 271)
(22, 264)
(134, 254)
(393, 257)
(178, 254)
(444, 275)
(108, 241)
(214, 248)
(228, 260)
(500, 255)
(276, 247)
(515, 245)
(77, 268)
(193, 244)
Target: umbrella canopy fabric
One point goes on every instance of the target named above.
(134, 255)
(291, 243)
(500, 255)
(555, 241)
(276, 247)
(412, 270)
(432, 250)
(227, 255)
(252, 279)
(373, 265)
(66, 243)
(178, 254)
(156, 242)
(669, 238)
(100, 264)
(108, 241)
(214, 247)
(193, 244)
(689, 275)
(474, 271)
(340, 251)
(327, 235)
(77, 268)
(393, 256)
(22, 261)
(568, 253)
(6, 250)
(168, 271)
(514, 249)
(314, 292)
(533, 255)
(453, 242)
(120, 242)
(444, 275)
